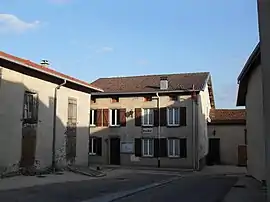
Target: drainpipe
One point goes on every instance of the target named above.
(193, 134)
(54, 123)
(159, 128)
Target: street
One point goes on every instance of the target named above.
(187, 188)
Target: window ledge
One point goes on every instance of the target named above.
(173, 125)
(93, 126)
(147, 126)
(92, 154)
(115, 126)
(174, 157)
(147, 156)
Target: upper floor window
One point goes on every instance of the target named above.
(93, 117)
(147, 98)
(115, 99)
(30, 107)
(114, 117)
(173, 116)
(147, 117)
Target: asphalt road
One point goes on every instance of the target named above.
(191, 189)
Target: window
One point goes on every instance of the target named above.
(30, 107)
(147, 99)
(148, 147)
(93, 117)
(147, 117)
(173, 147)
(115, 99)
(114, 117)
(173, 116)
(72, 110)
(92, 146)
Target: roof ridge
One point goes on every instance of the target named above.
(154, 75)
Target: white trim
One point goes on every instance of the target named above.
(174, 147)
(110, 121)
(148, 147)
(92, 117)
(148, 116)
(168, 116)
(92, 153)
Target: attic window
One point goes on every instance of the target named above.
(115, 99)
(147, 99)
(173, 98)
(93, 100)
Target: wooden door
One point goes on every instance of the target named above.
(115, 151)
(213, 156)
(242, 155)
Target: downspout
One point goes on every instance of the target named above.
(196, 133)
(54, 123)
(193, 133)
(159, 128)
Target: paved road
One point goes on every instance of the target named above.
(189, 189)
(80, 191)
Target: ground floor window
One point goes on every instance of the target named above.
(95, 146)
(148, 147)
(173, 147)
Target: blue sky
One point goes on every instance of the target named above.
(89, 39)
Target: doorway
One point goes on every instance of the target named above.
(213, 156)
(115, 151)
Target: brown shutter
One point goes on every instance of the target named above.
(156, 119)
(99, 117)
(105, 117)
(183, 116)
(183, 148)
(138, 117)
(99, 146)
(138, 147)
(123, 121)
(163, 117)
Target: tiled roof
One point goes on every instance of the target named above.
(44, 69)
(228, 115)
(150, 83)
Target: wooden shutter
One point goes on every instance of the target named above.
(123, 117)
(163, 117)
(105, 117)
(99, 146)
(99, 117)
(183, 148)
(163, 147)
(138, 147)
(183, 116)
(156, 118)
(138, 117)
(156, 147)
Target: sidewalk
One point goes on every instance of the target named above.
(246, 189)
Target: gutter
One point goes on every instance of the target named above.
(51, 74)
(144, 92)
(54, 124)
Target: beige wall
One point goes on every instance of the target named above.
(230, 137)
(12, 89)
(255, 136)
(130, 132)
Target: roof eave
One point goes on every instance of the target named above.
(36, 69)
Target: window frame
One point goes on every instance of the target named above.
(30, 109)
(174, 119)
(148, 147)
(92, 153)
(115, 99)
(148, 117)
(93, 117)
(117, 122)
(176, 141)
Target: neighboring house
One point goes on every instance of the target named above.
(27, 99)
(153, 120)
(250, 96)
(227, 137)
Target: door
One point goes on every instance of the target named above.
(29, 129)
(213, 156)
(242, 155)
(115, 151)
(71, 132)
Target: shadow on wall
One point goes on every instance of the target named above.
(127, 141)
(27, 129)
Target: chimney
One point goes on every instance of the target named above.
(45, 63)
(164, 83)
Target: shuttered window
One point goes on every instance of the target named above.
(173, 116)
(30, 107)
(114, 117)
(173, 147)
(95, 146)
(148, 147)
(148, 117)
(93, 117)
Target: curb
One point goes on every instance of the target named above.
(120, 195)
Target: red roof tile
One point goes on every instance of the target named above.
(45, 69)
(227, 115)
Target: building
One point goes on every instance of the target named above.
(227, 137)
(250, 95)
(28, 94)
(153, 120)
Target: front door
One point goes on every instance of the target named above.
(115, 151)
(213, 156)
(71, 132)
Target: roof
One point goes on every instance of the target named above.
(221, 116)
(46, 70)
(253, 61)
(150, 83)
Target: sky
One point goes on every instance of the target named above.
(89, 39)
